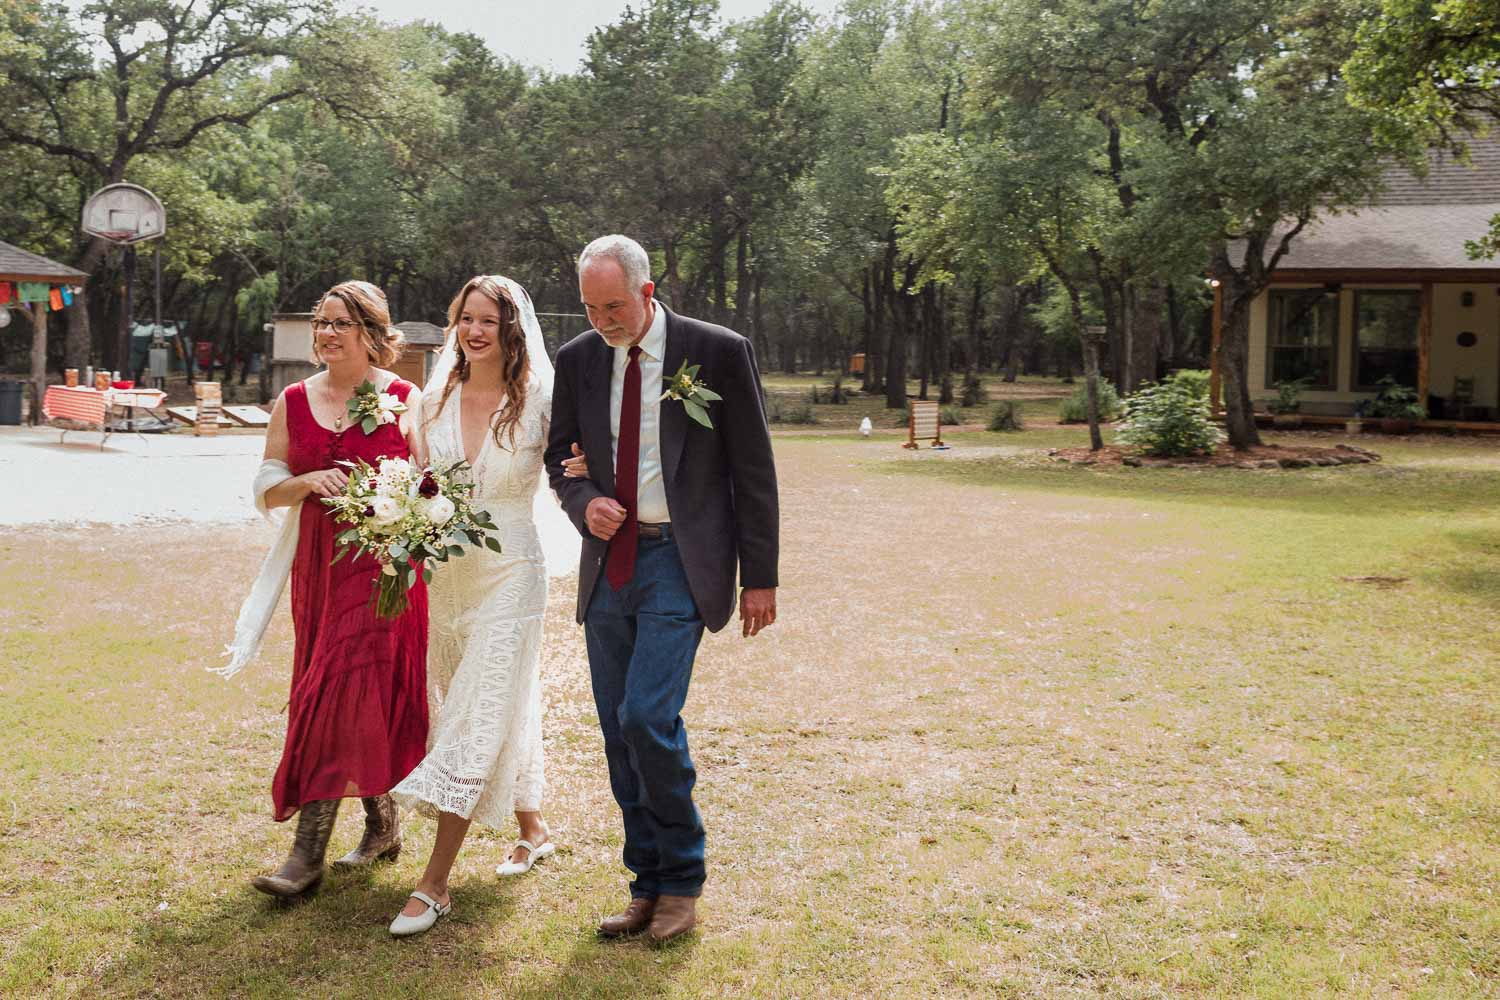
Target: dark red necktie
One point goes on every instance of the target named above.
(621, 565)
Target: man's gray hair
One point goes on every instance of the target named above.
(623, 250)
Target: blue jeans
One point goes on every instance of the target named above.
(642, 640)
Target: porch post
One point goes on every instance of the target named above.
(38, 359)
(1215, 388)
(1424, 345)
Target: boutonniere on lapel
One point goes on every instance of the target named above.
(694, 396)
(370, 408)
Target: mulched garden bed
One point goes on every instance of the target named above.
(1268, 456)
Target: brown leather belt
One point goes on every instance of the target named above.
(661, 530)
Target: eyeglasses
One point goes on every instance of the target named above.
(339, 326)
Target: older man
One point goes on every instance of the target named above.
(680, 494)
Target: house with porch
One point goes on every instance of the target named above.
(1388, 290)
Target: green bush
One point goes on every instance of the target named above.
(781, 410)
(1007, 416)
(1075, 409)
(1288, 396)
(1168, 420)
(950, 416)
(1196, 379)
(1397, 402)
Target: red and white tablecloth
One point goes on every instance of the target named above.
(88, 405)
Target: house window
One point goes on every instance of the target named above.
(1385, 337)
(1304, 332)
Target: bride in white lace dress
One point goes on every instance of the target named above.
(488, 403)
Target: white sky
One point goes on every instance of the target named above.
(548, 34)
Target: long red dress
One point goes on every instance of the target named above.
(357, 717)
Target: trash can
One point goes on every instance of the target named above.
(10, 402)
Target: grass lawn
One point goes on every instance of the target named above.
(1038, 397)
(1022, 729)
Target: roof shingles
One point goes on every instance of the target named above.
(1416, 223)
(20, 265)
(1448, 181)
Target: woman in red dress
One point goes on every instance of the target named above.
(357, 715)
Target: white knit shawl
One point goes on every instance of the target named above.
(265, 592)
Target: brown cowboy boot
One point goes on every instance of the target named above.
(674, 917)
(382, 839)
(302, 870)
(634, 920)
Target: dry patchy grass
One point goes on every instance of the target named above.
(1022, 730)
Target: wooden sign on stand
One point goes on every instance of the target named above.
(210, 398)
(925, 423)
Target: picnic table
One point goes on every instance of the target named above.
(81, 407)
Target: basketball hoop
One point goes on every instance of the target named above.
(124, 214)
(127, 214)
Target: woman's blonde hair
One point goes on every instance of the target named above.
(515, 366)
(368, 307)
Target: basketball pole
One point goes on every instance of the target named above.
(156, 331)
(156, 250)
(122, 352)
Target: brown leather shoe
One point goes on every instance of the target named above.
(634, 920)
(382, 838)
(302, 870)
(674, 917)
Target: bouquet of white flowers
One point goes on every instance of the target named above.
(405, 516)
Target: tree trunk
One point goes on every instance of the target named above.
(1174, 327)
(232, 336)
(883, 283)
(867, 339)
(212, 336)
(896, 348)
(127, 314)
(78, 342)
(925, 337)
(78, 347)
(943, 358)
(1091, 389)
(670, 279)
(895, 364)
(1113, 334)
(1090, 362)
(758, 318)
(1234, 357)
(976, 319)
(721, 287)
(741, 280)
(1145, 331)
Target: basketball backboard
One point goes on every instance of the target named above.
(124, 213)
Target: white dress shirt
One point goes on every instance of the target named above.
(651, 489)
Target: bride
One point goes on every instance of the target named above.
(487, 402)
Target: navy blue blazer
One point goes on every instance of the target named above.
(720, 482)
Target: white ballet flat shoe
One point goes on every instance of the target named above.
(533, 855)
(404, 926)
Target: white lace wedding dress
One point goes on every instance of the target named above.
(484, 739)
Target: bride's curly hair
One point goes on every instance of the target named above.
(515, 367)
